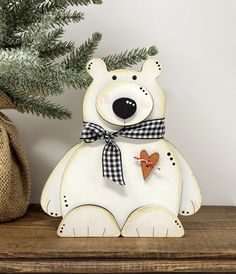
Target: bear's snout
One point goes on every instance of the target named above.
(124, 107)
(124, 103)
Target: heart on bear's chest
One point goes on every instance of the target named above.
(148, 162)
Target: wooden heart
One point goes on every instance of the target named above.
(148, 167)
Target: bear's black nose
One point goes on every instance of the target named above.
(124, 107)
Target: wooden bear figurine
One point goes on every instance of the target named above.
(123, 178)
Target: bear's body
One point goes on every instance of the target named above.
(162, 187)
(92, 205)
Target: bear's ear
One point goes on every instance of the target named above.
(152, 68)
(96, 67)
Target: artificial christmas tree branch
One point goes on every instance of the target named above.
(39, 106)
(129, 58)
(30, 43)
(80, 56)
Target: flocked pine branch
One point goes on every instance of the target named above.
(129, 58)
(23, 70)
(37, 34)
(31, 40)
(65, 17)
(39, 106)
(84, 2)
(63, 4)
(79, 57)
(55, 50)
(16, 58)
(53, 47)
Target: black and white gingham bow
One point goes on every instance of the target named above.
(111, 156)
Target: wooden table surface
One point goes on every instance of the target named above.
(30, 244)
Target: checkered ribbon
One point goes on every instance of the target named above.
(111, 156)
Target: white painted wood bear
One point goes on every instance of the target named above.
(157, 182)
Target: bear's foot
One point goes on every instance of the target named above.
(188, 208)
(52, 208)
(152, 221)
(88, 221)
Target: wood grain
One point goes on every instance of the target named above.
(30, 244)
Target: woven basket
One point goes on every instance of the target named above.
(14, 169)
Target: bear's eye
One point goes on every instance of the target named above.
(114, 77)
(134, 77)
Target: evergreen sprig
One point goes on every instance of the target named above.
(36, 62)
(39, 106)
(81, 55)
(129, 58)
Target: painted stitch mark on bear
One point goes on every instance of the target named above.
(143, 90)
(104, 232)
(167, 231)
(89, 65)
(171, 158)
(48, 205)
(62, 227)
(194, 210)
(88, 231)
(177, 223)
(137, 232)
(159, 66)
(65, 201)
(50, 213)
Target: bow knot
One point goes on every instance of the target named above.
(108, 136)
(111, 156)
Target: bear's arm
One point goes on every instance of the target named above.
(50, 198)
(190, 201)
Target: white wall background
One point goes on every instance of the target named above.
(197, 44)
